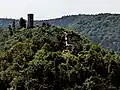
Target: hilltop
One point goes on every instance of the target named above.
(102, 29)
(38, 59)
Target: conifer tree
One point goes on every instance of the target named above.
(22, 23)
(13, 24)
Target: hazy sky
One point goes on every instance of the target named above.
(44, 9)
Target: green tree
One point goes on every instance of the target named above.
(22, 23)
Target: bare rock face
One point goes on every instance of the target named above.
(72, 40)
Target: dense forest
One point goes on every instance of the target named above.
(103, 29)
(37, 59)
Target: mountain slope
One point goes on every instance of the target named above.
(103, 29)
(38, 59)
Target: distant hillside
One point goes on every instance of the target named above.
(103, 29)
(5, 22)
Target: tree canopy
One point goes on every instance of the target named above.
(37, 59)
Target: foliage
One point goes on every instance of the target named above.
(37, 59)
(102, 29)
(22, 23)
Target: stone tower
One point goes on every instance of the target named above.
(30, 21)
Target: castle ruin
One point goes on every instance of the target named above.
(30, 23)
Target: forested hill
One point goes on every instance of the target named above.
(103, 29)
(5, 22)
(39, 59)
